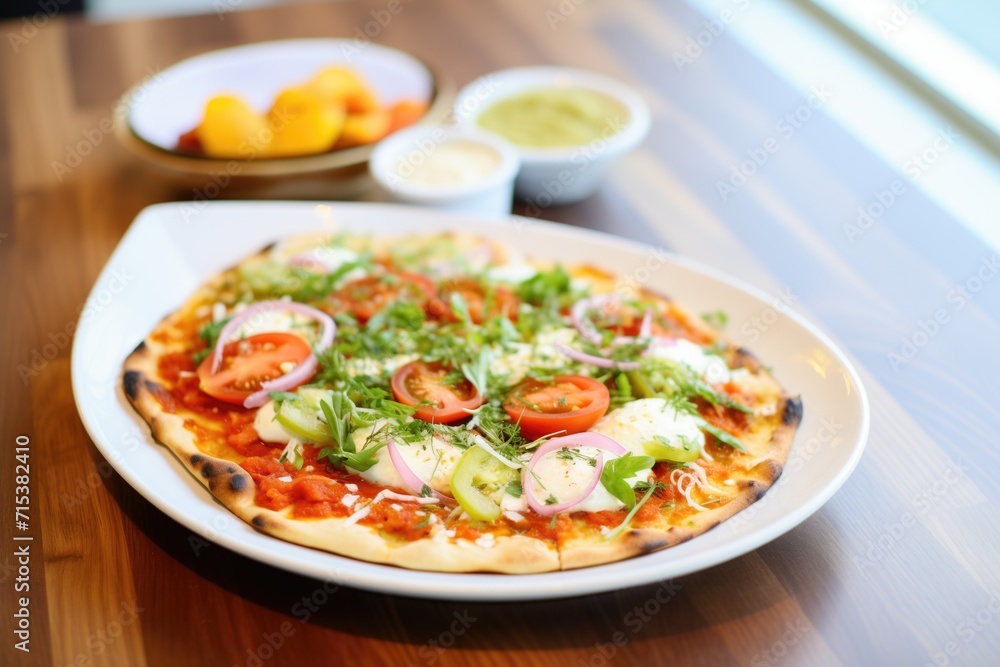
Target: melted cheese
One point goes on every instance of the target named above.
(640, 421)
(425, 457)
(486, 541)
(512, 504)
(368, 366)
(271, 321)
(709, 366)
(513, 273)
(268, 428)
(542, 353)
(334, 257)
(565, 478)
(320, 257)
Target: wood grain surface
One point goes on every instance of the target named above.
(899, 568)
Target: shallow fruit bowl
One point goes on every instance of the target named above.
(560, 175)
(170, 103)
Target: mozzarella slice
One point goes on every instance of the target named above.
(565, 477)
(630, 425)
(431, 456)
(640, 421)
(320, 256)
(270, 321)
(513, 273)
(332, 257)
(709, 366)
(268, 428)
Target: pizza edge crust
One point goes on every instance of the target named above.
(591, 550)
(235, 489)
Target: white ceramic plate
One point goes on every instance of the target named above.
(171, 248)
(173, 101)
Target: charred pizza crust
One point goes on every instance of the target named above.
(234, 488)
(583, 549)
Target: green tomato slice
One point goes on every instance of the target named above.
(478, 483)
(682, 450)
(302, 415)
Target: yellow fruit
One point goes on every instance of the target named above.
(365, 128)
(230, 128)
(303, 124)
(339, 85)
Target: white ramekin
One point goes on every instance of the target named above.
(491, 195)
(558, 175)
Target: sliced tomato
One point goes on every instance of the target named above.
(483, 302)
(366, 296)
(423, 385)
(626, 320)
(623, 319)
(248, 363)
(569, 403)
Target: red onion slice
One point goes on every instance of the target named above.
(594, 360)
(590, 333)
(582, 322)
(665, 341)
(410, 478)
(298, 375)
(307, 261)
(645, 333)
(646, 326)
(483, 252)
(576, 440)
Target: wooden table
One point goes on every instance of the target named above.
(899, 568)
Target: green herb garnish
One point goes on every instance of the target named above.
(617, 471)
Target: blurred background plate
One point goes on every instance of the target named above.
(169, 103)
